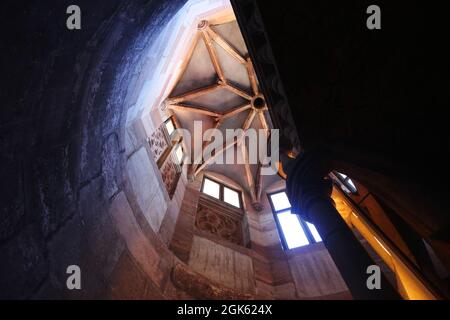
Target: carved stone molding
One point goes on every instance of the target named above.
(161, 149)
(218, 224)
(170, 174)
(220, 220)
(158, 143)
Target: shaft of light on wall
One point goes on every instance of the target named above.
(384, 248)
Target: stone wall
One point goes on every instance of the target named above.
(81, 185)
(222, 264)
(72, 181)
(262, 269)
(278, 272)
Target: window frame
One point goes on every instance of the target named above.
(169, 154)
(303, 224)
(173, 145)
(221, 192)
(169, 119)
(203, 186)
(345, 181)
(178, 145)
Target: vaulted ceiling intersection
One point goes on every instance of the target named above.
(219, 86)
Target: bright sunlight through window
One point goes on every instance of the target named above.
(231, 197)
(294, 232)
(169, 126)
(211, 188)
(179, 153)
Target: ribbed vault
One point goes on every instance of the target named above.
(219, 87)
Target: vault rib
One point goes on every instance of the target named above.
(262, 119)
(193, 94)
(195, 109)
(207, 141)
(252, 76)
(248, 172)
(258, 184)
(237, 91)
(234, 111)
(217, 153)
(226, 46)
(249, 120)
(247, 123)
(213, 54)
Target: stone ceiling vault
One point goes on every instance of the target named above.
(219, 87)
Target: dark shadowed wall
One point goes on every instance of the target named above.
(61, 139)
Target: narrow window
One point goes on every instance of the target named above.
(314, 232)
(293, 231)
(170, 127)
(168, 154)
(179, 154)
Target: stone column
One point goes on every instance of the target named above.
(309, 191)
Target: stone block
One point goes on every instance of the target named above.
(128, 282)
(105, 243)
(110, 165)
(146, 187)
(54, 192)
(136, 242)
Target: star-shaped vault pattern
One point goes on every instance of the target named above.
(254, 103)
